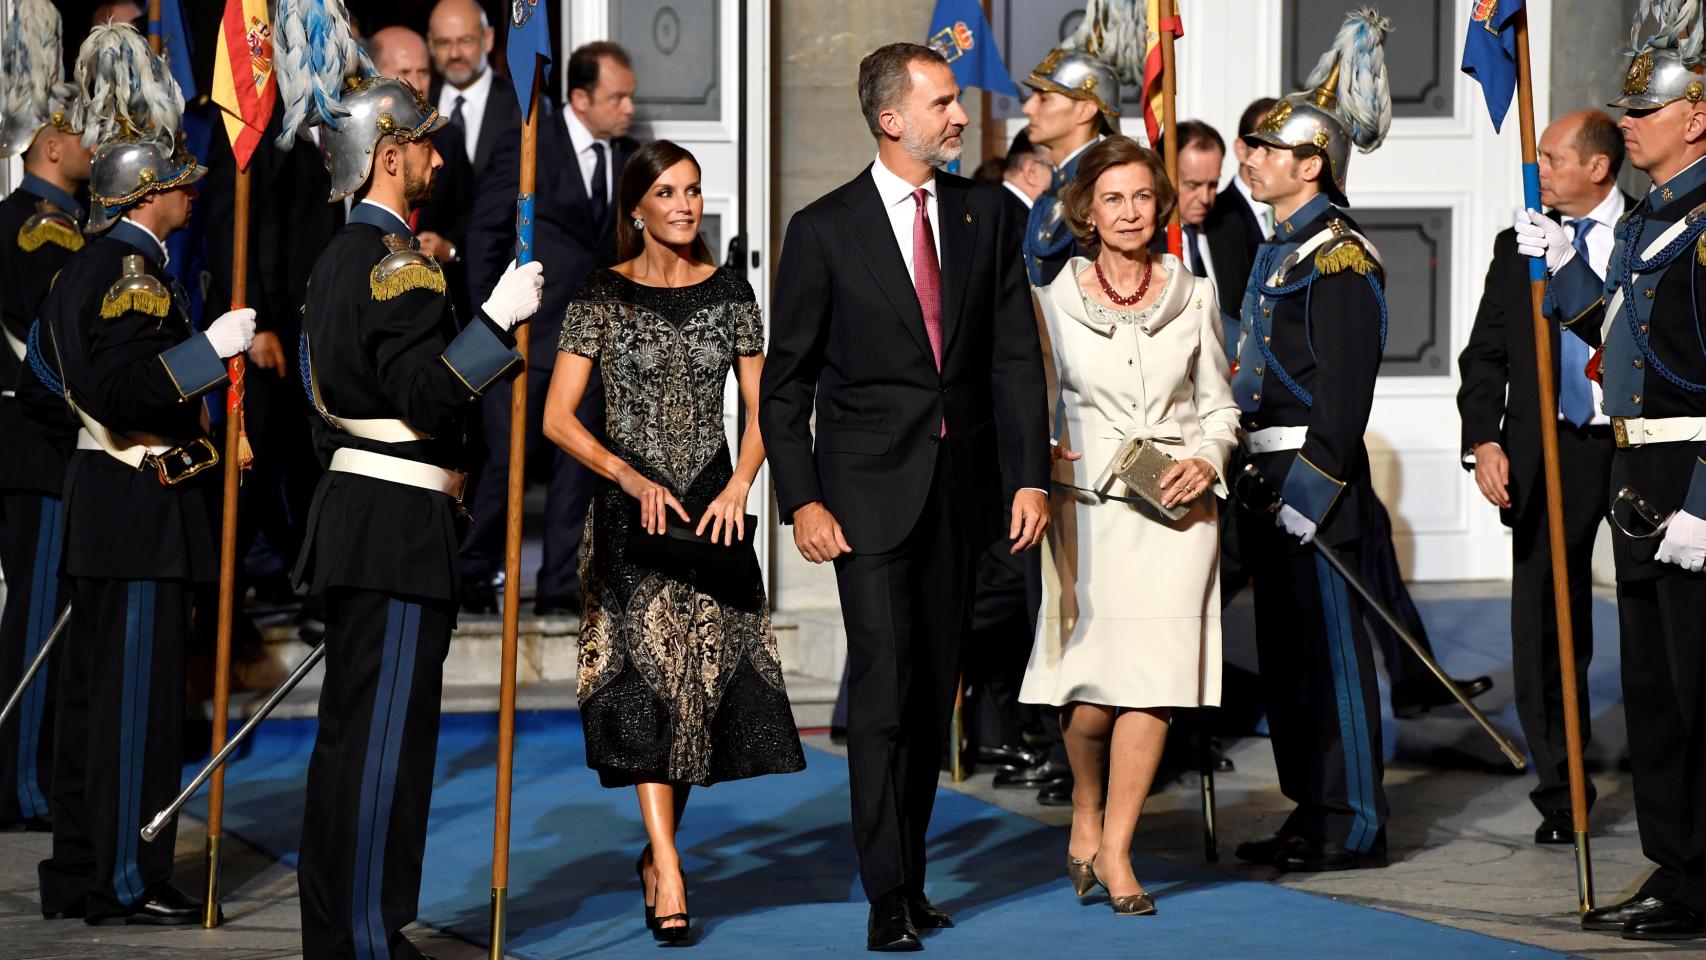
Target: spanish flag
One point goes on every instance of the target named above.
(1151, 91)
(243, 83)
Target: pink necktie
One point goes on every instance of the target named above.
(927, 279)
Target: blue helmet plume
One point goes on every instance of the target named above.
(1676, 27)
(1364, 97)
(314, 52)
(127, 90)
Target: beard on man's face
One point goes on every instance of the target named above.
(417, 185)
(937, 151)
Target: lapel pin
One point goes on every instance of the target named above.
(968, 218)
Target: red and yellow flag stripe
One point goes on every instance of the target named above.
(243, 81)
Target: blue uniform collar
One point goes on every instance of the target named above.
(128, 231)
(36, 186)
(1285, 231)
(1676, 189)
(378, 215)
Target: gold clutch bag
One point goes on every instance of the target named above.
(1139, 464)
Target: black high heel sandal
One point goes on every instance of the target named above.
(640, 871)
(663, 934)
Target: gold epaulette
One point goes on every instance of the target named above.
(1345, 253)
(136, 290)
(403, 269)
(49, 224)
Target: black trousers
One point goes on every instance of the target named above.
(30, 541)
(906, 613)
(1377, 563)
(1318, 687)
(1664, 701)
(274, 498)
(568, 492)
(1585, 461)
(370, 776)
(118, 744)
(1007, 591)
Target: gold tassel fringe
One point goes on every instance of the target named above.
(31, 236)
(1346, 255)
(404, 279)
(149, 302)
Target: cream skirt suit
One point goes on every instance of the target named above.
(1130, 612)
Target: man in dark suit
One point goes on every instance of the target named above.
(1255, 218)
(1580, 155)
(574, 229)
(1215, 241)
(904, 321)
(469, 93)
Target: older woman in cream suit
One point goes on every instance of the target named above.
(1130, 620)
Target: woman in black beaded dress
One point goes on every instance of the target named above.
(680, 684)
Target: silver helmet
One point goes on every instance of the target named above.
(33, 92)
(123, 171)
(1349, 103)
(378, 107)
(1076, 74)
(1665, 65)
(1105, 51)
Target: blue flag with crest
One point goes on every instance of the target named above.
(174, 33)
(529, 40)
(959, 32)
(1489, 53)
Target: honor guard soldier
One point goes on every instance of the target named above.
(40, 228)
(139, 533)
(1074, 104)
(1313, 326)
(1646, 318)
(393, 374)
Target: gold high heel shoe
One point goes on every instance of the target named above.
(1082, 873)
(1136, 905)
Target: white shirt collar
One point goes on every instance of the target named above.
(1608, 210)
(1022, 195)
(579, 136)
(475, 92)
(165, 258)
(387, 209)
(891, 188)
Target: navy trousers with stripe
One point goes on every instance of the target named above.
(1318, 687)
(118, 744)
(30, 541)
(370, 777)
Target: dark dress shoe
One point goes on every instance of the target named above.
(1617, 915)
(1265, 851)
(1418, 695)
(890, 927)
(926, 915)
(837, 734)
(1039, 775)
(27, 825)
(1320, 856)
(479, 596)
(1671, 921)
(1007, 757)
(1056, 794)
(568, 604)
(71, 911)
(1556, 827)
(165, 907)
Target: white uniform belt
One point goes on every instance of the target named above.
(1640, 431)
(1275, 438)
(411, 473)
(132, 454)
(384, 430)
(8, 393)
(18, 347)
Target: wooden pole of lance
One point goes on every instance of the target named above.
(1554, 496)
(512, 538)
(1169, 90)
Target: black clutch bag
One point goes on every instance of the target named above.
(678, 546)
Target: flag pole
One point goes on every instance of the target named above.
(512, 536)
(1554, 496)
(1167, 29)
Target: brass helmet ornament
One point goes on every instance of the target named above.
(1349, 103)
(1665, 66)
(329, 81)
(1105, 51)
(34, 93)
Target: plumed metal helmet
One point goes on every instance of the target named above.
(1665, 66)
(123, 171)
(1105, 51)
(325, 78)
(1349, 103)
(378, 107)
(33, 91)
(133, 111)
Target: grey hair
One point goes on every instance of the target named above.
(885, 78)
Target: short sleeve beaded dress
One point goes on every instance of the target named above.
(679, 675)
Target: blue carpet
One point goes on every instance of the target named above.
(771, 868)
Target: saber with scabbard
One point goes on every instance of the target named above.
(165, 816)
(36, 664)
(1269, 502)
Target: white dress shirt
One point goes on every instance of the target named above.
(1204, 255)
(1022, 195)
(474, 97)
(582, 140)
(1264, 212)
(897, 200)
(1600, 240)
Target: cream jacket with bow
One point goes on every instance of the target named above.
(1131, 601)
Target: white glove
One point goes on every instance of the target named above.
(232, 333)
(517, 295)
(1684, 543)
(1295, 523)
(1538, 235)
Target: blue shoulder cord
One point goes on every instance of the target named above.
(303, 362)
(1264, 265)
(38, 363)
(1664, 258)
